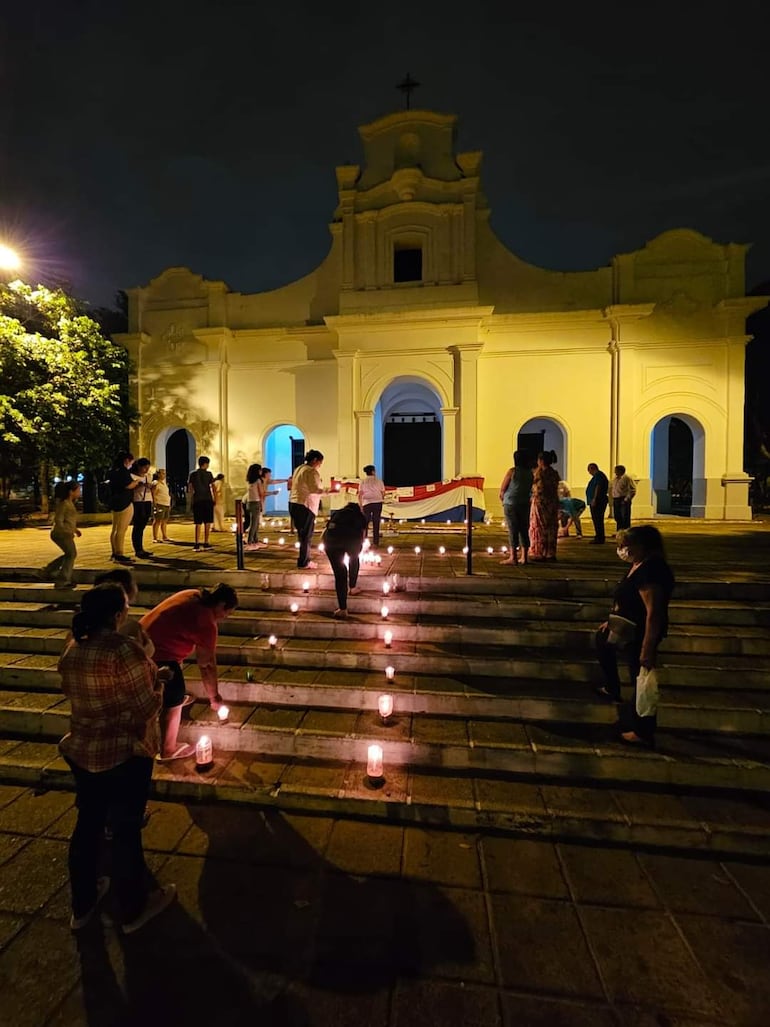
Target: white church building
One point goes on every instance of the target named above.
(422, 345)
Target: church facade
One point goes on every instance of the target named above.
(424, 346)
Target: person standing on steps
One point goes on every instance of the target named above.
(596, 498)
(218, 488)
(201, 492)
(180, 623)
(515, 493)
(122, 486)
(63, 533)
(114, 691)
(304, 500)
(344, 536)
(623, 492)
(371, 496)
(142, 500)
(641, 603)
(254, 504)
(162, 510)
(544, 509)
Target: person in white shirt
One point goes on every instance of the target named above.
(218, 488)
(371, 495)
(162, 512)
(304, 500)
(623, 492)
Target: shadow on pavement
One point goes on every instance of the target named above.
(263, 923)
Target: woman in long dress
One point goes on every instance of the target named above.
(544, 509)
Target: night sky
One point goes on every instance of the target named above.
(142, 135)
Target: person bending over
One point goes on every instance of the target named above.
(344, 536)
(187, 621)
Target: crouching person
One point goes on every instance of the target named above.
(184, 622)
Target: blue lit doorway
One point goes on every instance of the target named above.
(283, 451)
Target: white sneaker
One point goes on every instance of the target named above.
(156, 902)
(79, 922)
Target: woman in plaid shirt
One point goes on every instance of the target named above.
(115, 694)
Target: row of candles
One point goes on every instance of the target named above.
(204, 748)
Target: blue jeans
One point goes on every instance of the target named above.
(304, 523)
(517, 519)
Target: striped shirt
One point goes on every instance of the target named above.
(115, 703)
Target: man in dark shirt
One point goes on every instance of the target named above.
(201, 493)
(596, 497)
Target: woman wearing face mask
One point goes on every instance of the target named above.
(642, 598)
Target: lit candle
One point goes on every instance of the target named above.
(385, 587)
(422, 521)
(272, 641)
(321, 547)
(204, 753)
(306, 587)
(294, 608)
(490, 550)
(296, 545)
(390, 673)
(449, 522)
(265, 540)
(465, 550)
(385, 706)
(441, 550)
(388, 639)
(390, 550)
(374, 761)
(384, 612)
(337, 486)
(504, 549)
(223, 713)
(281, 541)
(417, 550)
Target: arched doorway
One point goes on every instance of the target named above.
(541, 434)
(284, 450)
(677, 466)
(408, 434)
(175, 451)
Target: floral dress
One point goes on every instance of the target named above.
(544, 514)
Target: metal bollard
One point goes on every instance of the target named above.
(239, 534)
(469, 538)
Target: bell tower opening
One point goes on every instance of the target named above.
(407, 262)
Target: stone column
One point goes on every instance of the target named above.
(367, 250)
(346, 371)
(466, 358)
(449, 461)
(364, 440)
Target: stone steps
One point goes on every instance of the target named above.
(493, 704)
(42, 604)
(35, 687)
(673, 819)
(508, 749)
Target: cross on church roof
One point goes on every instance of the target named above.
(407, 87)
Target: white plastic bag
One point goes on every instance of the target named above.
(647, 692)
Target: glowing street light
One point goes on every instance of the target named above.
(9, 259)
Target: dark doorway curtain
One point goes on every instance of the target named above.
(680, 457)
(412, 453)
(533, 442)
(177, 467)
